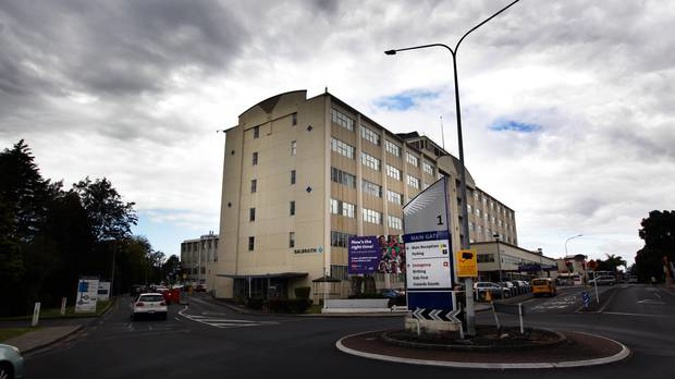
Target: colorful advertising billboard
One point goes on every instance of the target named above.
(370, 254)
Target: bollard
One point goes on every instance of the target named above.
(63, 306)
(36, 314)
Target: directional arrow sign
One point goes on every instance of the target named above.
(436, 314)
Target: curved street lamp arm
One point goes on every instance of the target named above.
(481, 24)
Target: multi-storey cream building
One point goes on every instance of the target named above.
(199, 257)
(301, 176)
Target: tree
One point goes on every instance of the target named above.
(612, 263)
(172, 268)
(24, 207)
(658, 232)
(109, 216)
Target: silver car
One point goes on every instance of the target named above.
(11, 362)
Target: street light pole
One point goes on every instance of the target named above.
(568, 240)
(464, 225)
(499, 256)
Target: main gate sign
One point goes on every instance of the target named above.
(429, 258)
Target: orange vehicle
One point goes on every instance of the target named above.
(543, 286)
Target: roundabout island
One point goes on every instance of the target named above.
(489, 348)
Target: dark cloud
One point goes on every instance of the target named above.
(112, 48)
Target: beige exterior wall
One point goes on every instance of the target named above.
(199, 258)
(316, 229)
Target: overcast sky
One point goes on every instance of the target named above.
(567, 106)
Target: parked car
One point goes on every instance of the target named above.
(603, 281)
(543, 286)
(391, 293)
(495, 290)
(149, 304)
(11, 362)
(513, 291)
(521, 286)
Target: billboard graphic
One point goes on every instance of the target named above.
(364, 254)
(370, 254)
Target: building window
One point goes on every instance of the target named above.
(370, 161)
(292, 176)
(342, 119)
(339, 207)
(254, 186)
(392, 148)
(251, 243)
(339, 239)
(370, 136)
(294, 118)
(393, 172)
(255, 158)
(256, 131)
(251, 214)
(342, 148)
(294, 147)
(428, 167)
(291, 239)
(292, 208)
(413, 160)
(413, 182)
(344, 178)
(395, 222)
(371, 188)
(394, 197)
(372, 216)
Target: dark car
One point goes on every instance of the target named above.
(391, 293)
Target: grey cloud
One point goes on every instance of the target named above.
(115, 48)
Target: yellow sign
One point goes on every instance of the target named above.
(467, 263)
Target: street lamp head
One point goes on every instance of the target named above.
(390, 52)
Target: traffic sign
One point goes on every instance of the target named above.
(467, 263)
(436, 314)
(586, 297)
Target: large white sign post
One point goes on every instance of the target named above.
(429, 261)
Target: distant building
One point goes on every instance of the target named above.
(199, 257)
(301, 176)
(516, 263)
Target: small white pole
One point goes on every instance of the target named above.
(520, 315)
(63, 306)
(36, 314)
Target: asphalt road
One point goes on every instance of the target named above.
(207, 340)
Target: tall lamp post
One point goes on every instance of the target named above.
(499, 255)
(464, 230)
(568, 240)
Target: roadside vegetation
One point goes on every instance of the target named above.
(50, 236)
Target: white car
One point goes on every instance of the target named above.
(149, 304)
(603, 280)
(11, 362)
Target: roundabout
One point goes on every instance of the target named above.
(489, 349)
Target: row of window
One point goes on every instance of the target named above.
(368, 160)
(343, 208)
(373, 137)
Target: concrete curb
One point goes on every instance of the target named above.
(624, 353)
